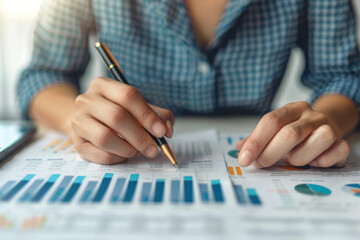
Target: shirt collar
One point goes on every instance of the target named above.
(173, 15)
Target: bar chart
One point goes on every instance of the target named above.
(112, 189)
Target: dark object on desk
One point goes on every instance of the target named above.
(14, 135)
(114, 67)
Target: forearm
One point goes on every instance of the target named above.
(341, 112)
(54, 106)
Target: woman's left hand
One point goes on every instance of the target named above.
(296, 133)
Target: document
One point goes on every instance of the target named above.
(49, 188)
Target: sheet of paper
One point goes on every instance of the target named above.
(292, 202)
(48, 187)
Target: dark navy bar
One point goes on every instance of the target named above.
(29, 192)
(204, 192)
(218, 194)
(88, 191)
(175, 191)
(119, 185)
(254, 198)
(45, 188)
(103, 187)
(159, 190)
(145, 193)
(8, 196)
(73, 189)
(129, 194)
(188, 189)
(63, 185)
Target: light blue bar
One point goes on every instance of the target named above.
(175, 191)
(61, 188)
(6, 187)
(145, 193)
(79, 179)
(119, 186)
(188, 178)
(53, 178)
(240, 195)
(204, 192)
(88, 191)
(108, 175)
(134, 177)
(30, 191)
(28, 177)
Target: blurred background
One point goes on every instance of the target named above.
(17, 21)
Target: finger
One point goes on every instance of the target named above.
(240, 144)
(167, 117)
(131, 99)
(102, 137)
(320, 140)
(90, 152)
(118, 119)
(336, 155)
(266, 129)
(285, 140)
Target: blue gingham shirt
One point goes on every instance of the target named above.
(154, 43)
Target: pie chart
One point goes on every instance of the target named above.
(353, 189)
(312, 189)
(232, 153)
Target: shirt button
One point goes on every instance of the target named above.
(203, 68)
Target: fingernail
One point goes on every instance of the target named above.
(169, 126)
(314, 163)
(139, 154)
(246, 158)
(159, 129)
(151, 151)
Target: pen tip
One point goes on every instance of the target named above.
(175, 165)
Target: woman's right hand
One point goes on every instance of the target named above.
(105, 123)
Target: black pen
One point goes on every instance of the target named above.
(114, 67)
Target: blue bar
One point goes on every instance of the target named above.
(45, 188)
(73, 189)
(6, 187)
(216, 187)
(8, 196)
(240, 195)
(119, 185)
(229, 140)
(61, 188)
(188, 189)
(159, 190)
(103, 187)
(145, 194)
(204, 192)
(175, 191)
(254, 198)
(88, 191)
(129, 194)
(29, 192)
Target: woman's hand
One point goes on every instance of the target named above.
(106, 123)
(298, 133)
